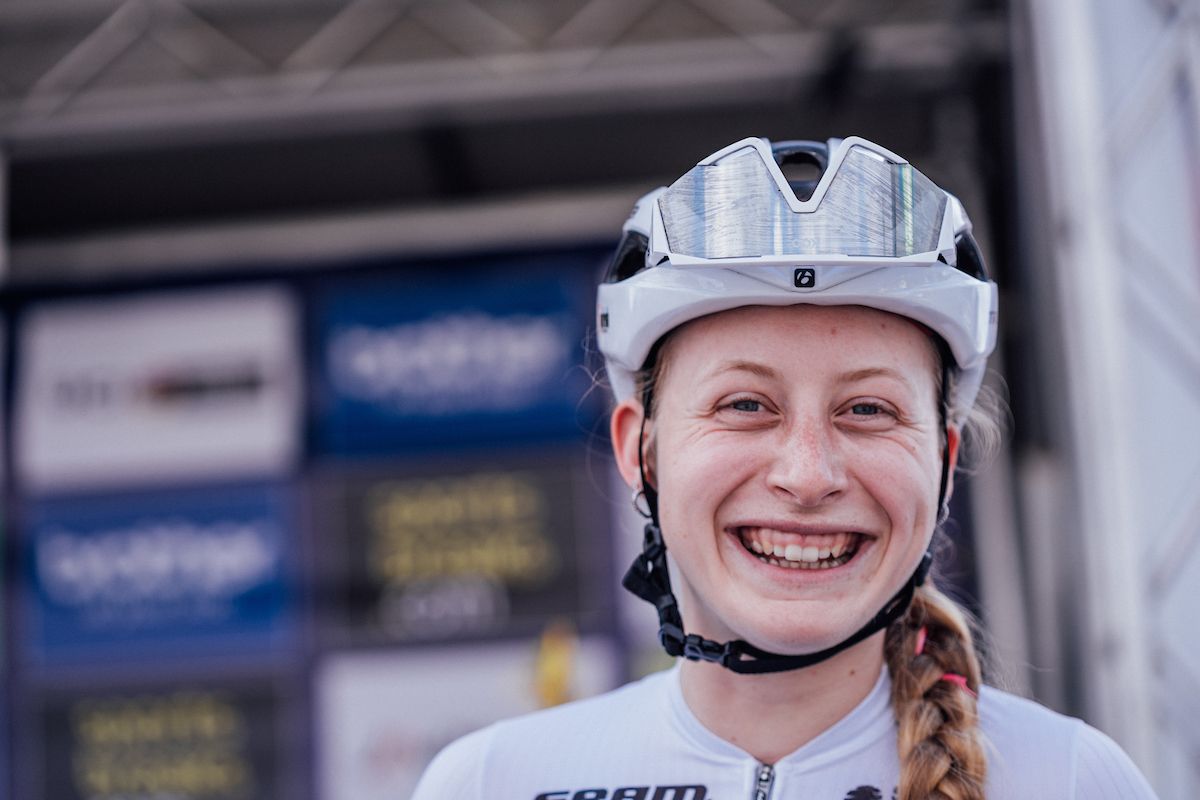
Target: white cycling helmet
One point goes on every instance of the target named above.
(734, 232)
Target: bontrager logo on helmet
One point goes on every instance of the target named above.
(805, 278)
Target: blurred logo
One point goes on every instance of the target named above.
(443, 608)
(185, 385)
(451, 364)
(160, 561)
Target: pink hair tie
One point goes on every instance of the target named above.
(921, 634)
(953, 677)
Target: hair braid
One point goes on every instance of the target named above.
(941, 751)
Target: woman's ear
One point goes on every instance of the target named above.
(626, 430)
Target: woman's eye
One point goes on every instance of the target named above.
(866, 409)
(746, 405)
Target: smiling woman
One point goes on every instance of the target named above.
(794, 367)
(768, 453)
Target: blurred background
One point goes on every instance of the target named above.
(304, 470)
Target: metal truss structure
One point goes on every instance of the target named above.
(136, 68)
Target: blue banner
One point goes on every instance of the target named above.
(455, 355)
(171, 573)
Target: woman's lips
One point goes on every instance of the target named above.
(800, 550)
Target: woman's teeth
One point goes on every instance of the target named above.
(811, 552)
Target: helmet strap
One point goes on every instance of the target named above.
(943, 502)
(647, 488)
(648, 578)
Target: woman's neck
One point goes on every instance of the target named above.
(772, 715)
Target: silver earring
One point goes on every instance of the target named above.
(943, 514)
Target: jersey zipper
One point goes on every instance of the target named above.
(762, 787)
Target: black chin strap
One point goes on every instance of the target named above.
(649, 579)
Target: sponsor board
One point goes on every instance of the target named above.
(174, 572)
(184, 742)
(381, 717)
(487, 548)
(463, 355)
(157, 388)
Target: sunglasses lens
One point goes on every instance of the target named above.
(734, 208)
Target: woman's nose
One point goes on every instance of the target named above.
(808, 468)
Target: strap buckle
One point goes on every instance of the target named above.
(697, 649)
(692, 646)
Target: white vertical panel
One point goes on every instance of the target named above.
(1153, 142)
(1096, 357)
(1126, 36)
(1120, 85)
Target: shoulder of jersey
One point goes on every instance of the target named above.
(1003, 712)
(1035, 752)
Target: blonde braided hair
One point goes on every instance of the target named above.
(941, 750)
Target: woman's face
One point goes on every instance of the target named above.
(797, 456)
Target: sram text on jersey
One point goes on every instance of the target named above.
(692, 792)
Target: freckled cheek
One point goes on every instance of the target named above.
(899, 479)
(700, 477)
(913, 457)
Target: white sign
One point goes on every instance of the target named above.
(382, 717)
(158, 388)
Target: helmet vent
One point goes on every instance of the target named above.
(803, 163)
(629, 259)
(803, 174)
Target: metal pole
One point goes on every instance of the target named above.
(3, 215)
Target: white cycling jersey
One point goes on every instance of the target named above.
(642, 742)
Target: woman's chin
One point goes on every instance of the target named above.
(792, 640)
(781, 627)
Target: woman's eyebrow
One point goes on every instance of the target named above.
(764, 371)
(874, 372)
(753, 367)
